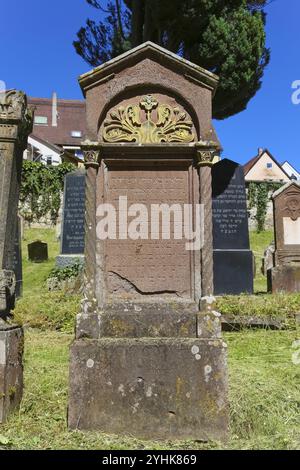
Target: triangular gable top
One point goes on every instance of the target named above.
(155, 52)
(284, 188)
(249, 165)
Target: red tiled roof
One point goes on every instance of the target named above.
(71, 116)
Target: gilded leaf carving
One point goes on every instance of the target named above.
(137, 123)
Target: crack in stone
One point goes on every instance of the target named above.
(140, 291)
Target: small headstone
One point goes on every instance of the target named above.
(268, 259)
(285, 275)
(233, 259)
(38, 252)
(72, 225)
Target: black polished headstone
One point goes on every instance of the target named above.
(38, 252)
(233, 260)
(17, 261)
(72, 239)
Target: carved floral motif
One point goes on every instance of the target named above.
(293, 205)
(136, 123)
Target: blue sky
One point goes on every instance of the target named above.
(37, 56)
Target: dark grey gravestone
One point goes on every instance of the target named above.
(17, 261)
(73, 232)
(233, 262)
(38, 252)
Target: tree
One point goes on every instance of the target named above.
(226, 37)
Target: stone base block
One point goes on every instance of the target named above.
(233, 272)
(151, 388)
(11, 368)
(62, 261)
(140, 319)
(284, 278)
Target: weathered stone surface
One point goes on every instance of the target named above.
(7, 292)
(286, 203)
(38, 252)
(167, 388)
(268, 261)
(149, 319)
(11, 368)
(62, 261)
(137, 364)
(284, 278)
(17, 260)
(15, 126)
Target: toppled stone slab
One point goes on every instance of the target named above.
(146, 387)
(239, 322)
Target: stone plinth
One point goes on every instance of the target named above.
(284, 278)
(11, 368)
(167, 388)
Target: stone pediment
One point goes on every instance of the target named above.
(149, 50)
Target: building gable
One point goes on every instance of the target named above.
(264, 167)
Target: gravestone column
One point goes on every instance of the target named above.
(87, 320)
(204, 158)
(15, 126)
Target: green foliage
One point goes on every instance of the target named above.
(225, 37)
(258, 197)
(282, 306)
(68, 272)
(259, 242)
(48, 311)
(41, 190)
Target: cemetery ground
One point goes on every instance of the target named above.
(264, 388)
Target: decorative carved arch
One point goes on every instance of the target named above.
(148, 115)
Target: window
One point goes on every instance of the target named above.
(41, 120)
(49, 161)
(76, 134)
(269, 165)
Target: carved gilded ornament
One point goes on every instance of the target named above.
(91, 157)
(205, 157)
(137, 123)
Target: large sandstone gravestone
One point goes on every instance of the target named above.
(285, 275)
(233, 259)
(148, 358)
(72, 233)
(15, 125)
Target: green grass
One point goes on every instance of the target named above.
(35, 274)
(264, 383)
(259, 242)
(264, 398)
